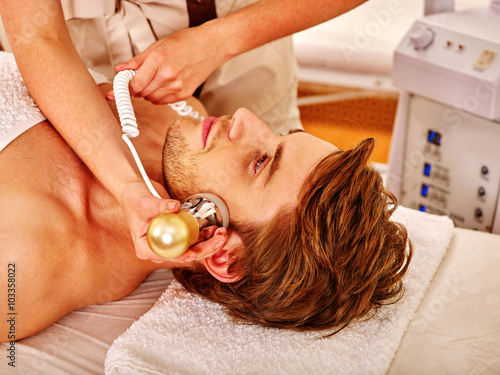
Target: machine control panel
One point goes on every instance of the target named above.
(451, 164)
(445, 154)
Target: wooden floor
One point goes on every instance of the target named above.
(346, 116)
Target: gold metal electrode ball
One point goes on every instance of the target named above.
(169, 235)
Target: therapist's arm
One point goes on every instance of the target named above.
(172, 68)
(68, 96)
(268, 20)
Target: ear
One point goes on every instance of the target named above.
(218, 264)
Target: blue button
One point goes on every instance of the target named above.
(422, 208)
(434, 137)
(427, 169)
(425, 190)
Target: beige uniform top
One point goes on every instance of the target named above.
(264, 80)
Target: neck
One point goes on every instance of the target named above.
(149, 146)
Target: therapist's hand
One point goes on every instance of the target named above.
(141, 207)
(172, 68)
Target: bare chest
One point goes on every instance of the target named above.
(62, 225)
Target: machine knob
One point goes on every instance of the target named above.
(478, 213)
(421, 37)
(481, 191)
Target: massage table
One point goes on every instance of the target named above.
(455, 329)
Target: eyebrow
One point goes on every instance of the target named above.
(275, 164)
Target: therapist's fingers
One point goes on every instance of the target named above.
(206, 248)
(145, 72)
(156, 79)
(164, 95)
(169, 99)
(110, 95)
(152, 87)
(208, 232)
(142, 79)
(162, 98)
(151, 209)
(153, 93)
(140, 207)
(211, 240)
(161, 71)
(173, 67)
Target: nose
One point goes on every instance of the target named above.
(238, 124)
(246, 125)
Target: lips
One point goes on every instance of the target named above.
(206, 126)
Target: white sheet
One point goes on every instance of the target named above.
(77, 344)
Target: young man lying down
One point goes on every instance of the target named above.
(310, 245)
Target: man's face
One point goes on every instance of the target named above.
(240, 160)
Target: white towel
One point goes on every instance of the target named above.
(18, 111)
(185, 334)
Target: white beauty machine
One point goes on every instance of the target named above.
(445, 151)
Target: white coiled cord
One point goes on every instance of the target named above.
(129, 123)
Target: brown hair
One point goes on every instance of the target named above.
(333, 259)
